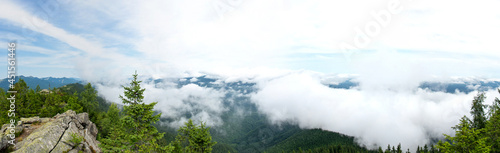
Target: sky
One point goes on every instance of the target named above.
(90, 39)
(289, 48)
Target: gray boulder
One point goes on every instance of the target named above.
(6, 134)
(54, 134)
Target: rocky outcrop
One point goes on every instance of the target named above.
(8, 134)
(55, 134)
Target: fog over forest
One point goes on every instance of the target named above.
(384, 72)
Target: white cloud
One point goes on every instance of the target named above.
(203, 104)
(375, 117)
(191, 36)
(263, 41)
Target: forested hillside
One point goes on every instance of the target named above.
(250, 132)
(127, 130)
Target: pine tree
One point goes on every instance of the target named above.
(433, 149)
(197, 138)
(493, 126)
(73, 104)
(4, 107)
(89, 99)
(33, 104)
(467, 139)
(53, 105)
(477, 112)
(399, 148)
(22, 104)
(109, 120)
(388, 150)
(135, 131)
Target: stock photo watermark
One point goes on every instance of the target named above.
(365, 34)
(11, 76)
(222, 7)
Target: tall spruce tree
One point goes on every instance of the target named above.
(477, 112)
(136, 132)
(73, 104)
(196, 138)
(399, 148)
(89, 99)
(467, 139)
(493, 126)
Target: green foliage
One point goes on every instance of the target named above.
(109, 120)
(222, 147)
(336, 149)
(493, 126)
(133, 93)
(30, 102)
(399, 149)
(73, 104)
(53, 104)
(467, 139)
(135, 131)
(388, 149)
(477, 112)
(316, 139)
(4, 108)
(75, 139)
(481, 134)
(89, 100)
(196, 137)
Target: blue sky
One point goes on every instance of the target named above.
(101, 40)
(289, 48)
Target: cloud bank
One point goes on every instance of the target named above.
(178, 104)
(276, 44)
(374, 117)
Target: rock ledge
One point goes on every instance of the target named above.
(54, 134)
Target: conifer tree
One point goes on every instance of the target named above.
(135, 132)
(388, 150)
(493, 126)
(73, 104)
(109, 120)
(89, 99)
(477, 112)
(467, 139)
(399, 148)
(197, 138)
(4, 107)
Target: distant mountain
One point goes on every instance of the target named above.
(448, 87)
(44, 83)
(251, 131)
(245, 129)
(465, 86)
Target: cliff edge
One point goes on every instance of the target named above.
(67, 132)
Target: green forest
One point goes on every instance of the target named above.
(130, 129)
(132, 126)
